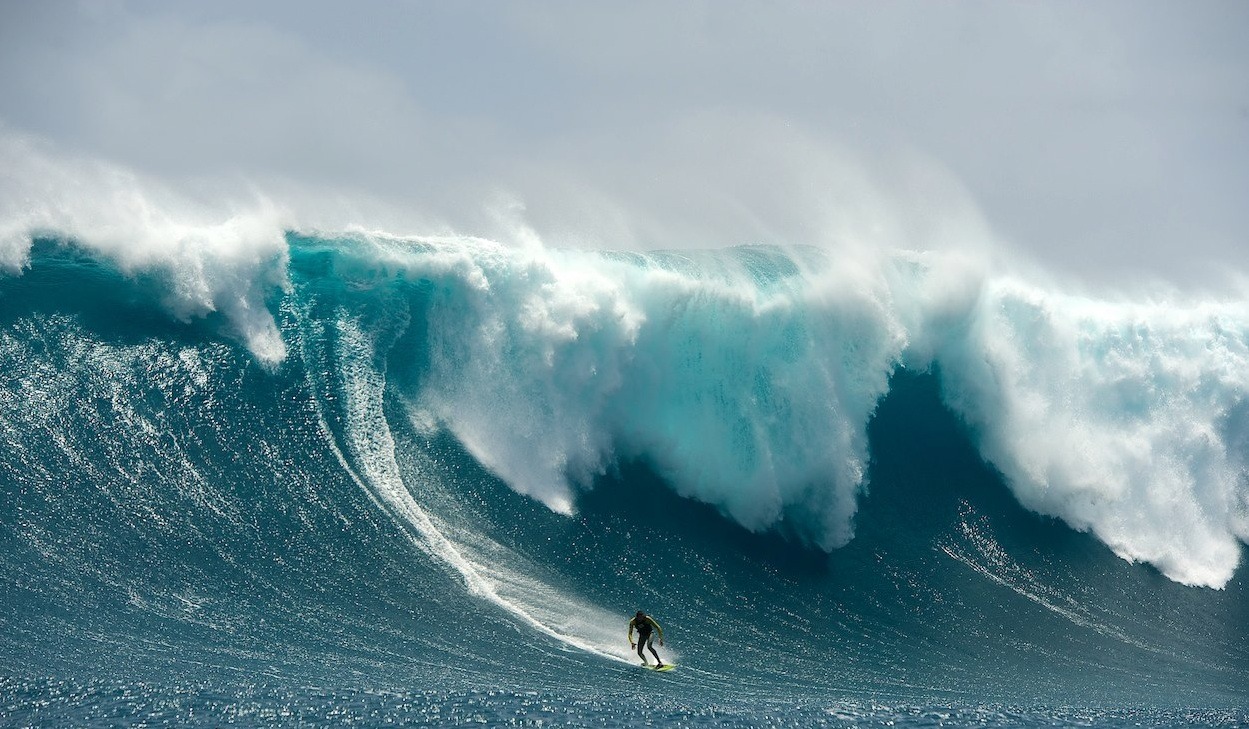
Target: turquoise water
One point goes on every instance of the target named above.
(851, 499)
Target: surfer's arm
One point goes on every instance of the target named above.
(630, 632)
(659, 628)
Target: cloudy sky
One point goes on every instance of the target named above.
(1106, 141)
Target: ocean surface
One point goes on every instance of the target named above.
(366, 480)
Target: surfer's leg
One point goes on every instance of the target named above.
(641, 644)
(650, 644)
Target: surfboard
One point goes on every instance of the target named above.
(664, 667)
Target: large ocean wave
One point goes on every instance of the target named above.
(356, 454)
(747, 376)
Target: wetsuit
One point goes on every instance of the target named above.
(644, 626)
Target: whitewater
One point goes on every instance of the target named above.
(257, 473)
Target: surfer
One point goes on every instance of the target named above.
(645, 624)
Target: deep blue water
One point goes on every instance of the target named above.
(440, 505)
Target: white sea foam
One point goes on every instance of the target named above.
(219, 258)
(551, 365)
(1126, 420)
(1121, 419)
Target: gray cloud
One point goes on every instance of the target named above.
(1107, 141)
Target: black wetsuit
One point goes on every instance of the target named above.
(644, 627)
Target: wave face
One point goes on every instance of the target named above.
(457, 466)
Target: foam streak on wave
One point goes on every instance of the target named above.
(369, 442)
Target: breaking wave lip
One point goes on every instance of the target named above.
(1123, 419)
(230, 259)
(748, 375)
